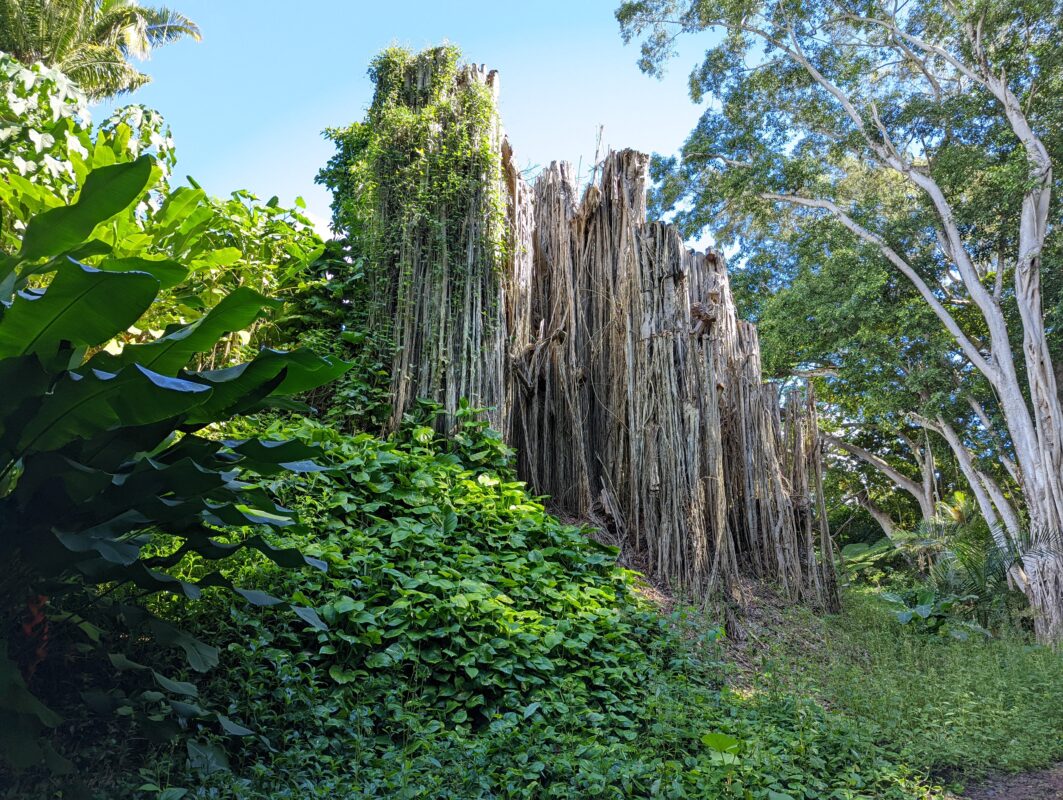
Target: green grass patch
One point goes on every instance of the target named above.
(956, 708)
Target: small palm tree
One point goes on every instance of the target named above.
(962, 509)
(90, 40)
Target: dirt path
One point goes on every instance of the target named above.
(1044, 785)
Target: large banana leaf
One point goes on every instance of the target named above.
(82, 305)
(107, 191)
(82, 405)
(97, 457)
(178, 205)
(172, 352)
(238, 389)
(23, 381)
(168, 273)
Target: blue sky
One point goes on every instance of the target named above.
(248, 104)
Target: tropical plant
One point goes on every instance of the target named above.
(422, 535)
(948, 569)
(933, 612)
(341, 301)
(874, 563)
(91, 41)
(50, 147)
(100, 446)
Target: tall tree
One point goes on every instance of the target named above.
(90, 40)
(892, 379)
(926, 130)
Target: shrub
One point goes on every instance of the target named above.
(451, 577)
(215, 246)
(99, 447)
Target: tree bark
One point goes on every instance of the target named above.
(884, 520)
(639, 398)
(919, 490)
(612, 358)
(995, 509)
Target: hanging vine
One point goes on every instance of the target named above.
(417, 191)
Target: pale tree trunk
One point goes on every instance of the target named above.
(922, 490)
(1001, 517)
(884, 520)
(1035, 426)
(1059, 379)
(1012, 521)
(1002, 454)
(924, 459)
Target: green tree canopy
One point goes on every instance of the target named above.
(923, 136)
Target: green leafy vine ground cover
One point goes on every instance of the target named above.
(477, 647)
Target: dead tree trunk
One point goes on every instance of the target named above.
(611, 357)
(638, 398)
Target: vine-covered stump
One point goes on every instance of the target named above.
(609, 354)
(417, 189)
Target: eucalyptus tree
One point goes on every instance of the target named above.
(897, 394)
(91, 41)
(928, 132)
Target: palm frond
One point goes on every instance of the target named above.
(90, 40)
(102, 71)
(113, 23)
(165, 25)
(63, 26)
(137, 29)
(19, 20)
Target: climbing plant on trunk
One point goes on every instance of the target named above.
(417, 192)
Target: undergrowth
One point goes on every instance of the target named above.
(957, 709)
(479, 648)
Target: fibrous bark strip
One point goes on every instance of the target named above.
(615, 364)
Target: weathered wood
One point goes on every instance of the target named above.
(638, 399)
(616, 365)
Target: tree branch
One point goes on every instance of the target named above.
(942, 313)
(896, 476)
(1002, 455)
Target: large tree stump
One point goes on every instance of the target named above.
(612, 359)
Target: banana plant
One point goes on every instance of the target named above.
(105, 445)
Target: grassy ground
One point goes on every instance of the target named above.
(954, 709)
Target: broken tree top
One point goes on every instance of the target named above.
(608, 354)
